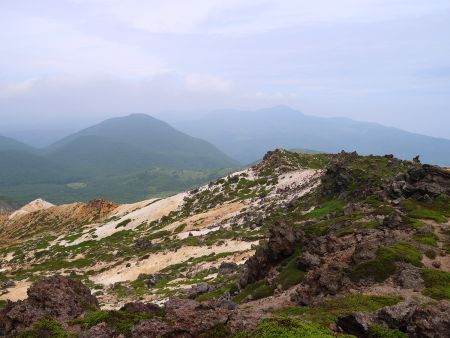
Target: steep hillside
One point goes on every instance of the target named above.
(7, 143)
(22, 167)
(299, 245)
(123, 159)
(136, 142)
(246, 135)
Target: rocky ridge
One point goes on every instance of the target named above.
(347, 245)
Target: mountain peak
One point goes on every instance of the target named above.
(36, 205)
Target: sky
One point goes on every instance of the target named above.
(70, 63)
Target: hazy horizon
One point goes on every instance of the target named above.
(69, 64)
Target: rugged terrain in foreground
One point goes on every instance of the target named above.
(300, 245)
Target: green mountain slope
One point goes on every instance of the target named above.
(22, 167)
(7, 143)
(123, 159)
(136, 142)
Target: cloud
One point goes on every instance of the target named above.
(73, 60)
(244, 17)
(68, 100)
(200, 83)
(14, 89)
(43, 46)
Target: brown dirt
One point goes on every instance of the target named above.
(57, 219)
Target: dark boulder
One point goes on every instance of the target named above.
(183, 318)
(199, 289)
(431, 321)
(397, 316)
(308, 261)
(56, 297)
(136, 307)
(227, 268)
(356, 324)
(393, 221)
(409, 277)
(422, 182)
(101, 330)
(142, 244)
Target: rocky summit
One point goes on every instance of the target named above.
(298, 245)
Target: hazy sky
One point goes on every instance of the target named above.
(76, 62)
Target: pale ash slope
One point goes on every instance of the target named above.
(180, 240)
(36, 205)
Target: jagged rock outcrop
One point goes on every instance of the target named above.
(421, 182)
(276, 161)
(63, 300)
(282, 243)
(138, 307)
(183, 318)
(56, 297)
(417, 320)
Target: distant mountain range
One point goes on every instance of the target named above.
(100, 160)
(135, 157)
(7, 206)
(247, 135)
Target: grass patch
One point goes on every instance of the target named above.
(120, 321)
(180, 228)
(46, 328)
(257, 290)
(357, 225)
(383, 265)
(123, 223)
(376, 331)
(286, 328)
(437, 283)
(428, 239)
(437, 210)
(327, 312)
(325, 209)
(290, 274)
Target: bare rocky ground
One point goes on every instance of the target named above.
(297, 246)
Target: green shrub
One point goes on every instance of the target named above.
(286, 328)
(325, 209)
(328, 311)
(428, 239)
(120, 321)
(218, 331)
(437, 210)
(290, 274)
(376, 331)
(180, 228)
(257, 290)
(383, 265)
(123, 223)
(437, 283)
(46, 328)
